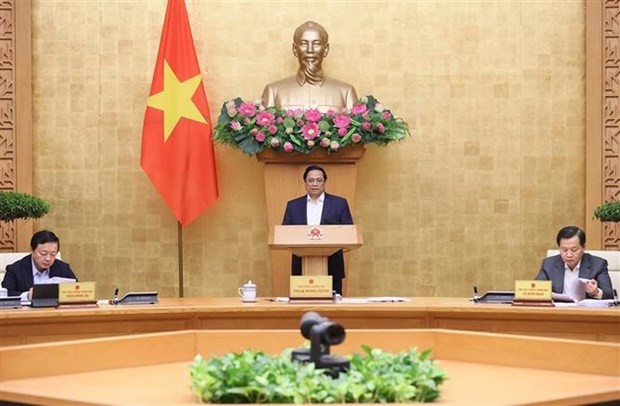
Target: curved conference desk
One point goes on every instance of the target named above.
(149, 369)
(28, 325)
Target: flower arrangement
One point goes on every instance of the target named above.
(252, 127)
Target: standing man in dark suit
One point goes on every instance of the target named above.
(36, 268)
(316, 208)
(574, 263)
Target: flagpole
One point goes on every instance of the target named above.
(180, 245)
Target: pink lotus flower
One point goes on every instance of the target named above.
(231, 109)
(310, 131)
(294, 130)
(342, 121)
(313, 115)
(295, 113)
(247, 109)
(264, 118)
(358, 109)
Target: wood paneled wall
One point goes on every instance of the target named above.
(16, 166)
(602, 123)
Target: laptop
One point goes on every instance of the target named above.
(45, 295)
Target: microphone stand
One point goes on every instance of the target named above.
(616, 302)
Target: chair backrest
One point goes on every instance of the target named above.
(613, 263)
(7, 258)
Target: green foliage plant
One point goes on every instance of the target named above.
(609, 211)
(14, 205)
(374, 377)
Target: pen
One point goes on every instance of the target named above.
(115, 297)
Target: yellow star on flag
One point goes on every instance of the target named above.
(176, 100)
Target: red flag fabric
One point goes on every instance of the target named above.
(177, 148)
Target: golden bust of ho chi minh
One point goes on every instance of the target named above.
(309, 88)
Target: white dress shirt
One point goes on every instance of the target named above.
(38, 278)
(314, 209)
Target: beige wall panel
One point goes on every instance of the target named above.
(493, 91)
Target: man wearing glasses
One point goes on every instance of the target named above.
(36, 268)
(316, 208)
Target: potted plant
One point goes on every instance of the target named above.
(374, 377)
(609, 211)
(14, 205)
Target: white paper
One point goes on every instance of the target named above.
(573, 292)
(59, 279)
(388, 299)
(562, 297)
(383, 299)
(595, 303)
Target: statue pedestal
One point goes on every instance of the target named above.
(284, 181)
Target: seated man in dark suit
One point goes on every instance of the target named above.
(315, 208)
(36, 268)
(574, 263)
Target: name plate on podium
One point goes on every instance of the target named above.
(311, 287)
(77, 293)
(532, 293)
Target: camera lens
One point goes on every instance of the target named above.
(332, 333)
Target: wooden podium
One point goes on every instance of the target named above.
(283, 181)
(314, 244)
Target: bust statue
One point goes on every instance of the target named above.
(309, 88)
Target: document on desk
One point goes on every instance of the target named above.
(592, 303)
(574, 292)
(382, 299)
(59, 279)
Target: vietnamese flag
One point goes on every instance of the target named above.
(177, 149)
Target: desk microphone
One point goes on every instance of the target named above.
(615, 302)
(114, 297)
(476, 297)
